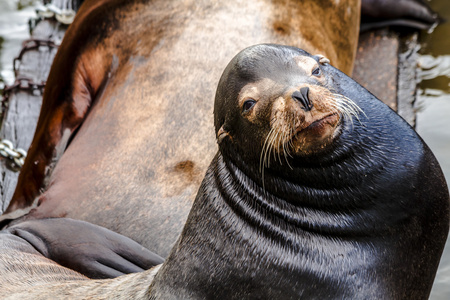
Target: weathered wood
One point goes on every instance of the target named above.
(376, 65)
(21, 117)
(407, 78)
(386, 65)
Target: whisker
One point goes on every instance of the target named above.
(347, 107)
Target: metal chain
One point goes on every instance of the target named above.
(64, 16)
(17, 156)
(8, 151)
(49, 10)
(22, 83)
(32, 44)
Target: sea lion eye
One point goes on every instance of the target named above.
(316, 72)
(248, 104)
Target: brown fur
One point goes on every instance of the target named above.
(137, 80)
(147, 79)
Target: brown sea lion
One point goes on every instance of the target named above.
(351, 205)
(131, 88)
(86, 78)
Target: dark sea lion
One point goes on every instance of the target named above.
(131, 88)
(351, 205)
(405, 13)
(318, 191)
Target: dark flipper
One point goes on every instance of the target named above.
(405, 13)
(94, 251)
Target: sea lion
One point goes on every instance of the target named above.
(415, 14)
(115, 95)
(129, 103)
(351, 205)
(318, 191)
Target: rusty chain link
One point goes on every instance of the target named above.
(8, 151)
(22, 83)
(32, 44)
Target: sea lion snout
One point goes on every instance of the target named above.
(303, 97)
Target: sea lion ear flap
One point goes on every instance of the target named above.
(322, 59)
(221, 134)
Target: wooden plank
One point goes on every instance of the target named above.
(386, 65)
(21, 117)
(376, 65)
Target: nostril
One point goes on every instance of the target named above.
(304, 91)
(303, 97)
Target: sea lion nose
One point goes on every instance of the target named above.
(303, 98)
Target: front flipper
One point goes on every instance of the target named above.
(405, 13)
(91, 250)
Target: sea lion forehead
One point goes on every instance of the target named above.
(254, 89)
(264, 60)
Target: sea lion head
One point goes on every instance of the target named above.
(278, 101)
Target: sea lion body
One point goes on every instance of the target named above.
(131, 88)
(363, 213)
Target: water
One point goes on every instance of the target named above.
(433, 103)
(433, 109)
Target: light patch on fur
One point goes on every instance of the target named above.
(249, 91)
(306, 63)
(254, 90)
(278, 107)
(280, 131)
(153, 271)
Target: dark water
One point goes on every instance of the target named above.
(433, 104)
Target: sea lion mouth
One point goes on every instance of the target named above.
(316, 135)
(319, 126)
